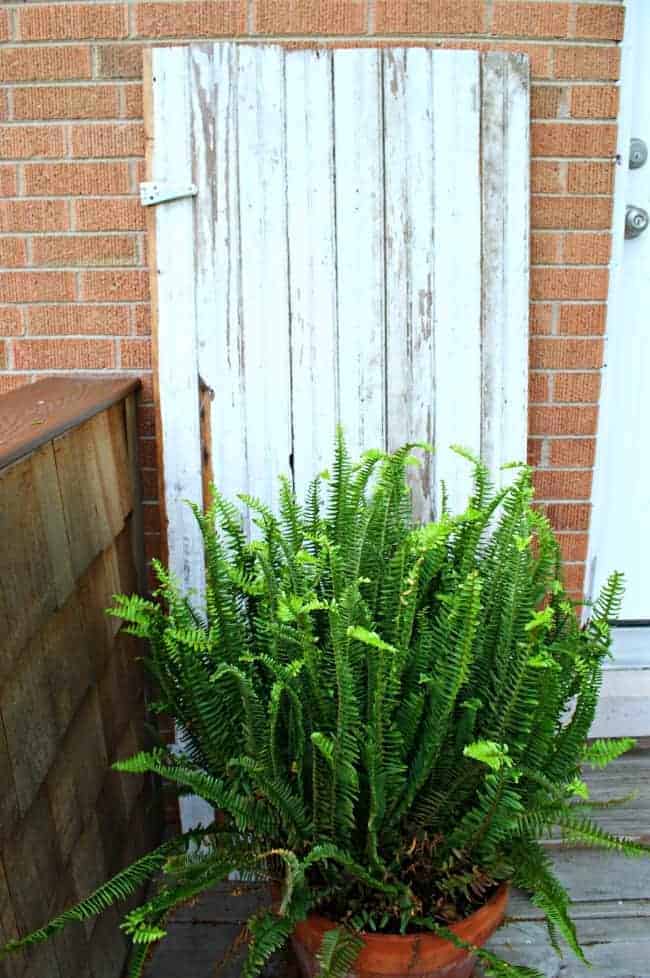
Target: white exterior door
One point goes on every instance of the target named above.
(620, 537)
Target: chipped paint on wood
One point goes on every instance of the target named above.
(358, 253)
(176, 360)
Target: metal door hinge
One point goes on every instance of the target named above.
(157, 192)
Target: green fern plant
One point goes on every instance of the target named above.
(388, 717)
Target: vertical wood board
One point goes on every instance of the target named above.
(173, 275)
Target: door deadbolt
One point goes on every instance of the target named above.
(636, 221)
(638, 153)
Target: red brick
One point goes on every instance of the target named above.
(13, 252)
(114, 285)
(569, 283)
(587, 62)
(151, 518)
(574, 577)
(565, 354)
(23, 142)
(539, 55)
(594, 101)
(530, 19)
(573, 546)
(33, 215)
(64, 354)
(3, 355)
(563, 420)
(72, 21)
(119, 61)
(64, 250)
(546, 101)
(45, 64)
(587, 249)
(36, 286)
(569, 516)
(600, 21)
(146, 420)
(63, 179)
(562, 485)
(538, 388)
(428, 17)
(77, 320)
(541, 317)
(146, 390)
(572, 452)
(572, 139)
(8, 184)
(577, 388)
(534, 455)
(545, 248)
(546, 177)
(590, 178)
(314, 17)
(67, 102)
(142, 319)
(180, 19)
(588, 213)
(586, 320)
(149, 480)
(4, 25)
(133, 101)
(108, 140)
(11, 321)
(147, 453)
(10, 382)
(108, 214)
(135, 354)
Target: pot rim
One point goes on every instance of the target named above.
(499, 896)
(416, 954)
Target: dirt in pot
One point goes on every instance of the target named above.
(447, 891)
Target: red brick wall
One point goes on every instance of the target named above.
(73, 280)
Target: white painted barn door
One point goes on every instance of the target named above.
(357, 252)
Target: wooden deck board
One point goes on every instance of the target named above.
(611, 905)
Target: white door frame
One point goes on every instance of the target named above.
(625, 703)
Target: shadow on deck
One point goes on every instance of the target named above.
(611, 905)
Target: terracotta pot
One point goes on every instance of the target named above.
(409, 956)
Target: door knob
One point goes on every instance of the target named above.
(636, 221)
(638, 153)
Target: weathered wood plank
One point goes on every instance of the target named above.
(457, 269)
(87, 471)
(360, 270)
(505, 226)
(409, 242)
(311, 211)
(173, 277)
(35, 568)
(34, 414)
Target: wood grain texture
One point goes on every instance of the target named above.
(71, 691)
(505, 230)
(176, 363)
(359, 256)
(32, 415)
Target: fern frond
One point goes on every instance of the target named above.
(339, 950)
